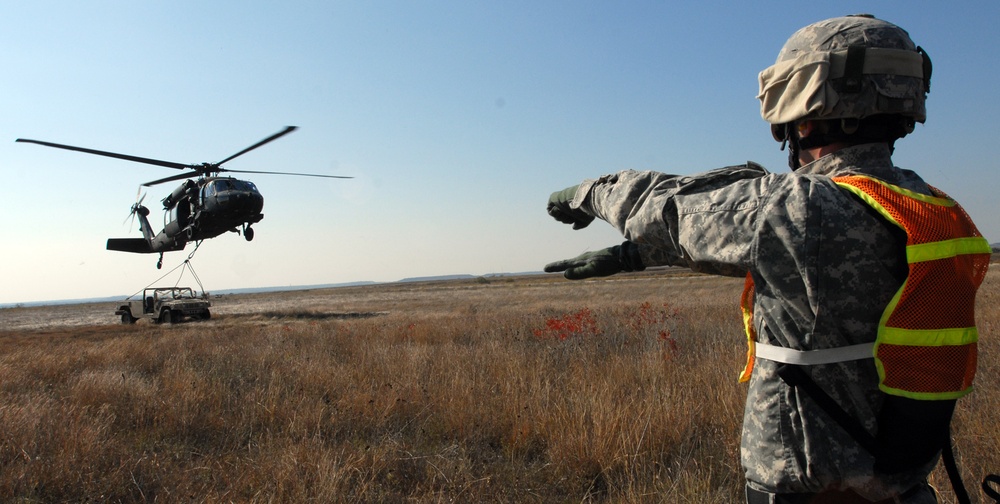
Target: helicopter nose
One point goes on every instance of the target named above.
(250, 202)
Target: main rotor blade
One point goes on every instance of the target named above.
(273, 137)
(180, 176)
(286, 173)
(126, 157)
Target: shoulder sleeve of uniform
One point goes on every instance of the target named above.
(644, 205)
(606, 196)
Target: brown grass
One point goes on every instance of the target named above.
(532, 389)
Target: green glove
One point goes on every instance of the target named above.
(560, 210)
(600, 263)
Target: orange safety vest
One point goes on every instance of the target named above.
(926, 344)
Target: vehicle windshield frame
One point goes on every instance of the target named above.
(173, 293)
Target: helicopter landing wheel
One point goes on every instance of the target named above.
(159, 264)
(248, 233)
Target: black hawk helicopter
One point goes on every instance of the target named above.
(198, 209)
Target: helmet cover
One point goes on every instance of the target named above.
(847, 67)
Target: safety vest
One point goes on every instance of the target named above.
(926, 344)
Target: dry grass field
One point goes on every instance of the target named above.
(527, 389)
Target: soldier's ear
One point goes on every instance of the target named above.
(805, 128)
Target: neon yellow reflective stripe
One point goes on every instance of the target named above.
(748, 367)
(947, 248)
(751, 350)
(933, 200)
(960, 244)
(891, 307)
(925, 396)
(928, 337)
(871, 201)
(746, 305)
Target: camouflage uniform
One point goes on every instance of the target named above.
(825, 266)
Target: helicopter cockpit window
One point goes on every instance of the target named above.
(222, 185)
(243, 185)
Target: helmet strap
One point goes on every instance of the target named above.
(794, 146)
(784, 134)
(874, 129)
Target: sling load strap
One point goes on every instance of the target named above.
(154, 282)
(794, 376)
(186, 263)
(190, 267)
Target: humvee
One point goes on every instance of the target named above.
(166, 305)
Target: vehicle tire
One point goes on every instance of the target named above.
(207, 315)
(167, 317)
(127, 318)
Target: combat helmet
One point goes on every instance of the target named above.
(848, 68)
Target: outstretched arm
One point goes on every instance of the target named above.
(679, 220)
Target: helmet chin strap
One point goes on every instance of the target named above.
(791, 138)
(816, 138)
(794, 147)
(876, 129)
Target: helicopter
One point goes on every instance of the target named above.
(198, 209)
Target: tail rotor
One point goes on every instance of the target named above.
(136, 208)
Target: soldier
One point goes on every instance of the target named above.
(850, 264)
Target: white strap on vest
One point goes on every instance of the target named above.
(814, 357)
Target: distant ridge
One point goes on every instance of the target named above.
(220, 292)
(437, 278)
(253, 290)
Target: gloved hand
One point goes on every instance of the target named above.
(560, 210)
(600, 263)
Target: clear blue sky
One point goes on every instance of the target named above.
(457, 119)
